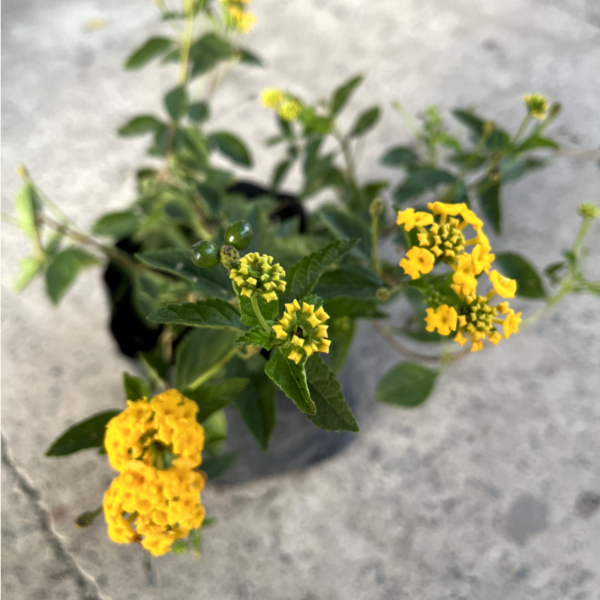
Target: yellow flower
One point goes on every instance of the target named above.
(511, 323)
(410, 219)
(460, 338)
(304, 329)
(256, 275)
(243, 21)
(481, 259)
(503, 286)
(464, 282)
(537, 105)
(441, 208)
(290, 110)
(162, 505)
(443, 319)
(495, 338)
(471, 218)
(417, 261)
(271, 98)
(144, 431)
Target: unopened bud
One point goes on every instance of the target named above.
(588, 210)
(85, 519)
(555, 109)
(488, 127)
(383, 294)
(21, 171)
(229, 255)
(376, 207)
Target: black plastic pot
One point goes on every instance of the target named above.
(296, 442)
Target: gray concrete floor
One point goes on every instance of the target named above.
(487, 492)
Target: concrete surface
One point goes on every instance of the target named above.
(490, 491)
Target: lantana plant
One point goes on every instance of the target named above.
(224, 300)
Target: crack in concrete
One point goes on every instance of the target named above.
(87, 586)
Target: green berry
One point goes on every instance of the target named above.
(205, 254)
(239, 234)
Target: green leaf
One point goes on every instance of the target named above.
(256, 337)
(344, 224)
(279, 173)
(200, 350)
(249, 58)
(406, 384)
(257, 402)
(351, 281)
(343, 93)
(135, 388)
(366, 121)
(231, 146)
(27, 206)
(211, 282)
(63, 271)
(29, 267)
(529, 284)
(176, 103)
(85, 434)
(536, 141)
(488, 195)
(290, 378)
(151, 49)
(116, 225)
(471, 121)
(341, 334)
(215, 430)
(399, 156)
(269, 311)
(554, 271)
(304, 275)
(199, 112)
(209, 50)
(140, 126)
(421, 180)
(214, 313)
(215, 466)
(211, 397)
(333, 414)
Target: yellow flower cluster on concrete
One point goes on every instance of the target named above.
(155, 445)
(303, 329)
(286, 106)
(163, 505)
(257, 275)
(237, 16)
(537, 105)
(443, 241)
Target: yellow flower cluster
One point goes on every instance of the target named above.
(303, 328)
(237, 16)
(164, 505)
(155, 445)
(256, 275)
(145, 428)
(537, 105)
(287, 107)
(444, 241)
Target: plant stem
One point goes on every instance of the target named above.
(186, 41)
(212, 371)
(522, 128)
(259, 315)
(407, 353)
(374, 235)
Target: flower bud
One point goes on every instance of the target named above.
(588, 210)
(376, 207)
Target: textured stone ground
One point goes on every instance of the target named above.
(490, 491)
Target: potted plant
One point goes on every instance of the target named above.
(228, 294)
